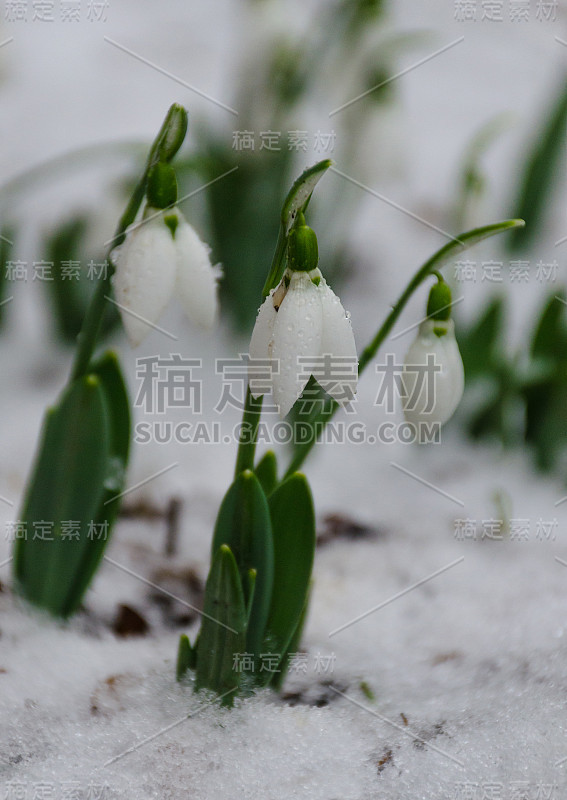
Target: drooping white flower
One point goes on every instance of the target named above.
(302, 329)
(160, 257)
(433, 376)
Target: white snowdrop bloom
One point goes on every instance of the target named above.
(302, 329)
(433, 376)
(160, 257)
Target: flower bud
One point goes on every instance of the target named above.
(433, 375)
(172, 133)
(303, 252)
(439, 301)
(302, 322)
(160, 257)
(161, 189)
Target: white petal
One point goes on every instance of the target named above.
(455, 368)
(196, 277)
(259, 375)
(297, 335)
(145, 276)
(437, 403)
(338, 348)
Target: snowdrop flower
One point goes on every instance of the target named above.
(302, 330)
(161, 256)
(433, 375)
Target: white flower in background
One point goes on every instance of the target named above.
(163, 256)
(302, 330)
(433, 376)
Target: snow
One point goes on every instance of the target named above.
(468, 669)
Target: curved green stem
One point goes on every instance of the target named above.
(294, 205)
(87, 338)
(248, 433)
(435, 263)
(164, 147)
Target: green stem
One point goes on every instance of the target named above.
(371, 349)
(253, 408)
(433, 264)
(86, 341)
(248, 433)
(164, 147)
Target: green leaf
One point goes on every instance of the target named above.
(293, 525)
(546, 423)
(542, 170)
(67, 484)
(502, 415)
(7, 236)
(186, 657)
(222, 637)
(79, 473)
(253, 191)
(296, 202)
(108, 370)
(243, 523)
(117, 408)
(67, 295)
(550, 337)
(171, 135)
(266, 471)
(546, 393)
(251, 589)
(482, 342)
(300, 193)
(293, 646)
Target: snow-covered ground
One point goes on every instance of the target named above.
(451, 688)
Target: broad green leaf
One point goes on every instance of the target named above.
(482, 342)
(171, 135)
(222, 638)
(67, 485)
(266, 470)
(502, 416)
(243, 523)
(542, 170)
(67, 294)
(293, 646)
(293, 525)
(251, 590)
(550, 337)
(546, 423)
(296, 201)
(108, 370)
(186, 657)
(117, 406)
(546, 406)
(252, 191)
